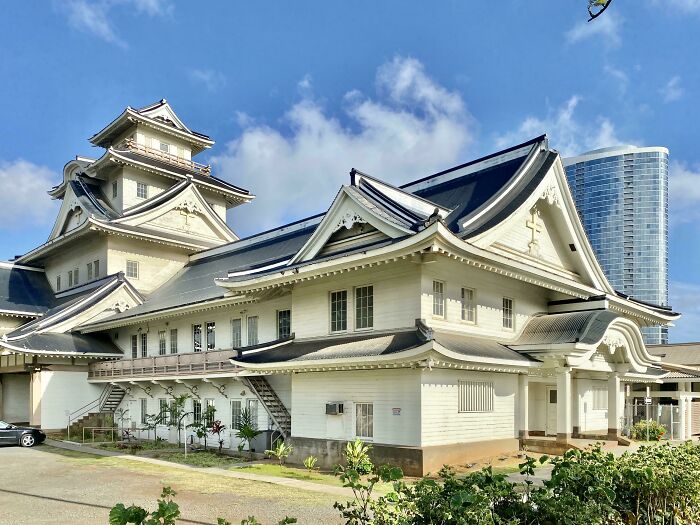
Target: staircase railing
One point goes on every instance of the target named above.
(281, 428)
(89, 407)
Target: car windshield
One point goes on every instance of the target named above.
(3, 424)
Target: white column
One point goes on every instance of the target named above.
(575, 408)
(564, 404)
(683, 413)
(523, 405)
(614, 406)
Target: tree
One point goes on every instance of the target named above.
(201, 427)
(596, 8)
(178, 414)
(217, 428)
(122, 415)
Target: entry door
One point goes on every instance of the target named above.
(551, 403)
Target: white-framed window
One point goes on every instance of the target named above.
(144, 344)
(600, 398)
(236, 410)
(173, 340)
(114, 189)
(438, 298)
(89, 270)
(211, 335)
(252, 406)
(70, 278)
(76, 277)
(364, 420)
(284, 323)
(475, 396)
(236, 333)
(96, 266)
(252, 330)
(134, 346)
(144, 410)
(58, 283)
(164, 411)
(132, 269)
(196, 411)
(364, 307)
(141, 190)
(508, 320)
(165, 147)
(339, 310)
(197, 337)
(210, 403)
(468, 305)
(162, 348)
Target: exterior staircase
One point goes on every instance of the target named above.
(268, 397)
(114, 398)
(97, 413)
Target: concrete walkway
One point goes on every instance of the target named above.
(275, 480)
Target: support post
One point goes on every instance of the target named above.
(614, 414)
(564, 404)
(575, 409)
(683, 413)
(523, 405)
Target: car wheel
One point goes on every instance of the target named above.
(27, 440)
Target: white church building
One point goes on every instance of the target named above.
(458, 315)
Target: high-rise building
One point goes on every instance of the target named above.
(622, 198)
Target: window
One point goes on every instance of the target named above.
(211, 336)
(89, 269)
(439, 298)
(339, 311)
(161, 343)
(144, 410)
(235, 413)
(58, 283)
(132, 269)
(364, 307)
(284, 323)
(364, 420)
(165, 147)
(164, 411)
(70, 279)
(209, 405)
(144, 344)
(76, 279)
(141, 190)
(468, 306)
(253, 330)
(236, 339)
(173, 341)
(173, 415)
(475, 396)
(114, 189)
(96, 266)
(134, 346)
(600, 398)
(196, 411)
(197, 337)
(507, 313)
(252, 406)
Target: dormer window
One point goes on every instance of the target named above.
(141, 190)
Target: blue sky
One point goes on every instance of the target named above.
(297, 93)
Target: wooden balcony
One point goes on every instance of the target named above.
(202, 169)
(190, 364)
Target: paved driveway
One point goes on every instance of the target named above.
(47, 485)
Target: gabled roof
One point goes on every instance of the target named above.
(91, 198)
(24, 291)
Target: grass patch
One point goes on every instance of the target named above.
(197, 459)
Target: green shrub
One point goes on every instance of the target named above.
(281, 451)
(648, 430)
(310, 463)
(357, 457)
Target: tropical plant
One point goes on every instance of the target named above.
(357, 456)
(178, 414)
(121, 415)
(648, 430)
(166, 513)
(151, 422)
(310, 463)
(247, 428)
(281, 451)
(202, 427)
(217, 428)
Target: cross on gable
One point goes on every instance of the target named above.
(534, 224)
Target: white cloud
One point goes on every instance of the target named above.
(95, 16)
(604, 30)
(683, 193)
(683, 297)
(672, 91)
(684, 6)
(21, 203)
(211, 79)
(565, 131)
(412, 127)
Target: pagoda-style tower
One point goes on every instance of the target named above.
(141, 208)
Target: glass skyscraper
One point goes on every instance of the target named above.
(622, 197)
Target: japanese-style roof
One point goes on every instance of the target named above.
(585, 327)
(24, 291)
(680, 354)
(66, 345)
(91, 198)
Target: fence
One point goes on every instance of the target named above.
(666, 415)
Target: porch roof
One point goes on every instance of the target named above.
(585, 327)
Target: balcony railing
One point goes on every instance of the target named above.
(196, 363)
(203, 169)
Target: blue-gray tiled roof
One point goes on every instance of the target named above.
(24, 291)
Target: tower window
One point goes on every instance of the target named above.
(141, 190)
(114, 189)
(164, 147)
(132, 269)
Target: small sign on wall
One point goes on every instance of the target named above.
(396, 411)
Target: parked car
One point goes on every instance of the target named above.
(25, 436)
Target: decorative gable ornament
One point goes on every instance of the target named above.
(534, 224)
(189, 207)
(551, 195)
(348, 220)
(613, 342)
(121, 306)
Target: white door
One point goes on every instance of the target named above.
(551, 403)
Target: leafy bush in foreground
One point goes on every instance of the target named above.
(648, 430)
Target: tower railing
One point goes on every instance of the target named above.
(131, 144)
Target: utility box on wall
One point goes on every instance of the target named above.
(334, 409)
